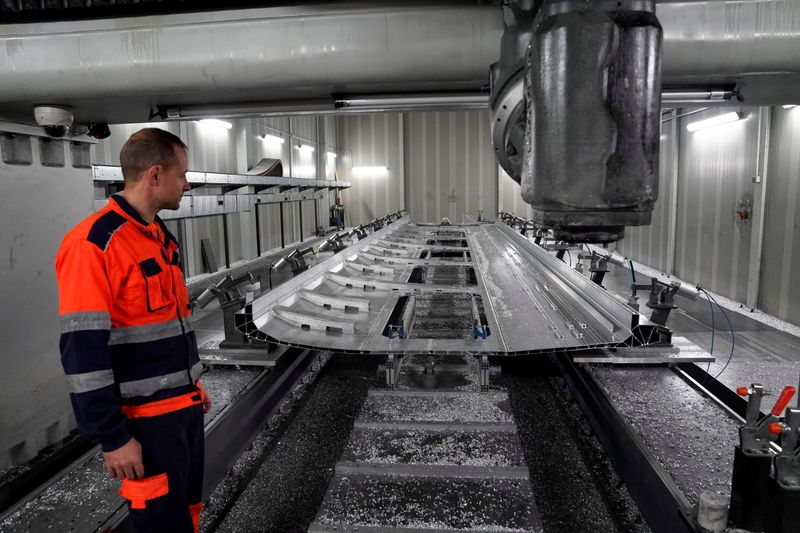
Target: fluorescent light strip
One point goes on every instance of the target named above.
(726, 118)
(304, 171)
(789, 106)
(332, 155)
(274, 138)
(305, 148)
(370, 170)
(216, 123)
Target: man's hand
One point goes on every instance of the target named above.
(205, 398)
(125, 462)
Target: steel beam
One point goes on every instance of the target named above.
(661, 502)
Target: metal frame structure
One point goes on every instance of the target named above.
(265, 190)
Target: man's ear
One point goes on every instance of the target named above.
(153, 175)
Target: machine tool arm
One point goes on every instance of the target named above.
(575, 102)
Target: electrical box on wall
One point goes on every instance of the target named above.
(743, 211)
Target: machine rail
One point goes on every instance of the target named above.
(659, 499)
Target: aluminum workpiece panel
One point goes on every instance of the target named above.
(409, 288)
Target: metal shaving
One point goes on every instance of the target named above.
(689, 434)
(479, 407)
(434, 447)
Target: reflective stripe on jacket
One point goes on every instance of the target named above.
(126, 336)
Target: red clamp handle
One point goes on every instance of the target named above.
(743, 391)
(776, 428)
(783, 400)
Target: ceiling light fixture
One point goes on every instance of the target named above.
(216, 123)
(412, 102)
(304, 171)
(370, 170)
(305, 147)
(274, 138)
(789, 106)
(332, 155)
(719, 120)
(677, 96)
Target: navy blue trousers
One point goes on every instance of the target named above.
(172, 444)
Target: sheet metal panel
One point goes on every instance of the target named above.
(206, 228)
(270, 233)
(531, 301)
(291, 222)
(781, 257)
(106, 152)
(716, 170)
(258, 148)
(371, 140)
(304, 127)
(309, 220)
(211, 149)
(450, 166)
(509, 198)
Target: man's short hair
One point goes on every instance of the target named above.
(146, 148)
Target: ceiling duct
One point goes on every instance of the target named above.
(117, 70)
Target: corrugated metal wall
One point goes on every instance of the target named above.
(450, 167)
(716, 169)
(270, 217)
(439, 165)
(780, 284)
(650, 244)
(106, 152)
(211, 149)
(371, 140)
(265, 148)
(236, 151)
(310, 218)
(509, 197)
(304, 133)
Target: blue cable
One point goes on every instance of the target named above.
(713, 329)
(730, 325)
(633, 274)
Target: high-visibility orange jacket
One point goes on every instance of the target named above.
(126, 338)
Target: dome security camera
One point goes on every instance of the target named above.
(54, 120)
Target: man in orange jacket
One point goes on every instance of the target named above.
(127, 344)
